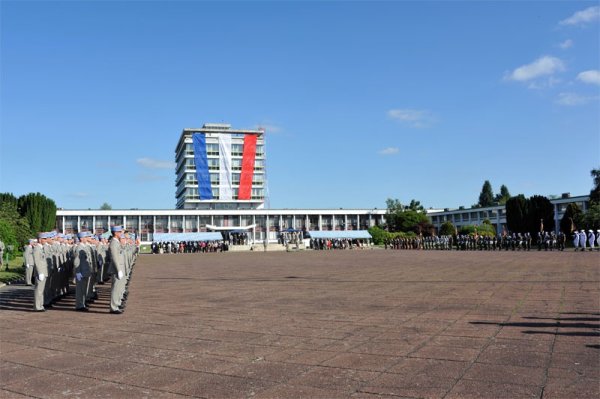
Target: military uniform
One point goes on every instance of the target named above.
(582, 240)
(82, 268)
(116, 270)
(29, 262)
(41, 273)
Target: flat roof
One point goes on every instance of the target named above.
(220, 212)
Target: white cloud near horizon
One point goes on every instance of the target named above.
(151, 163)
(389, 151)
(79, 194)
(543, 66)
(412, 117)
(581, 17)
(591, 77)
(566, 44)
(573, 99)
(269, 128)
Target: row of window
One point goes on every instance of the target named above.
(213, 164)
(161, 223)
(192, 193)
(237, 150)
(467, 216)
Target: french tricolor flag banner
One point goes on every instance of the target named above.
(201, 162)
(225, 179)
(225, 167)
(248, 157)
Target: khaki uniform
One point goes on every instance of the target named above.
(29, 263)
(117, 271)
(40, 276)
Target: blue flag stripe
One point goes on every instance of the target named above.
(201, 161)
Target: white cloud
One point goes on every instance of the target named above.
(151, 163)
(566, 44)
(389, 151)
(592, 77)
(79, 194)
(583, 17)
(573, 99)
(544, 83)
(269, 128)
(546, 65)
(412, 117)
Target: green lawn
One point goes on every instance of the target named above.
(15, 270)
(145, 249)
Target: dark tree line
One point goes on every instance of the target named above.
(23, 217)
(526, 214)
(487, 197)
(529, 214)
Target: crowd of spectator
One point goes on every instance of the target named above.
(181, 247)
(323, 244)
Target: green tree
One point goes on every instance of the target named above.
(403, 218)
(503, 196)
(595, 192)
(106, 206)
(486, 197)
(516, 214)
(447, 229)
(539, 208)
(39, 211)
(8, 198)
(9, 238)
(394, 208)
(378, 234)
(591, 219)
(18, 224)
(572, 216)
(7, 233)
(415, 206)
(414, 221)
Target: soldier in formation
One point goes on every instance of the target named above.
(28, 261)
(547, 241)
(122, 253)
(589, 240)
(57, 260)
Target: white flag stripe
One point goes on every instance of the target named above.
(225, 186)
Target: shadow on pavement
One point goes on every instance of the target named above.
(557, 324)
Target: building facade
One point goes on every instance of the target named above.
(497, 214)
(259, 223)
(220, 168)
(264, 224)
(221, 185)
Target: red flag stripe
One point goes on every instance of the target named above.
(245, 190)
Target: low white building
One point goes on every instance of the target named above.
(497, 214)
(260, 223)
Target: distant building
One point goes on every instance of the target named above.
(221, 185)
(497, 214)
(220, 168)
(259, 223)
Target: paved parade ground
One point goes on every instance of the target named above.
(340, 324)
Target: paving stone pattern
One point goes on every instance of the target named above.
(342, 324)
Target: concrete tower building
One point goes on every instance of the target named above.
(220, 168)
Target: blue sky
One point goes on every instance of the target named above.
(361, 101)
